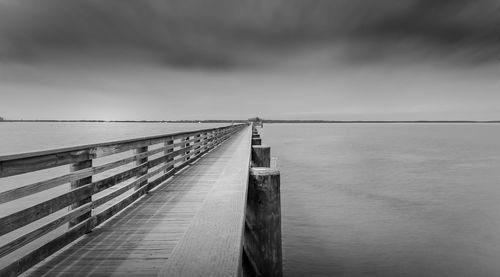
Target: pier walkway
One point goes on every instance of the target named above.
(140, 240)
(164, 232)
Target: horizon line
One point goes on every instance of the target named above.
(245, 120)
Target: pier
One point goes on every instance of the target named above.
(194, 203)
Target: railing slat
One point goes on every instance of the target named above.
(19, 266)
(27, 190)
(29, 215)
(45, 229)
(22, 218)
(29, 162)
(192, 145)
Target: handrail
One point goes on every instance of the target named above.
(28, 162)
(177, 151)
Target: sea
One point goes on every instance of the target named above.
(357, 199)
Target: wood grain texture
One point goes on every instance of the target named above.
(256, 141)
(261, 156)
(212, 245)
(139, 240)
(144, 170)
(33, 235)
(28, 162)
(263, 222)
(78, 184)
(82, 193)
(22, 218)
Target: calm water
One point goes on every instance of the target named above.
(358, 199)
(16, 137)
(27, 137)
(389, 200)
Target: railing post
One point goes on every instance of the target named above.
(79, 183)
(216, 137)
(187, 152)
(197, 148)
(144, 169)
(206, 137)
(167, 144)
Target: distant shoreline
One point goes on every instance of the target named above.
(269, 121)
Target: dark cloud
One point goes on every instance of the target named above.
(221, 32)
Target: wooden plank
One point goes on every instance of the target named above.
(103, 216)
(51, 247)
(22, 218)
(78, 184)
(130, 173)
(122, 204)
(34, 257)
(113, 143)
(27, 190)
(144, 170)
(45, 229)
(138, 182)
(167, 150)
(215, 236)
(28, 162)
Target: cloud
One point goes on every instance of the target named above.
(225, 33)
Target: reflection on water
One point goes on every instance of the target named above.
(389, 199)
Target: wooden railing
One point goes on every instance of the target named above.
(175, 152)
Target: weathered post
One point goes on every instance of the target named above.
(77, 184)
(256, 141)
(198, 141)
(263, 223)
(187, 152)
(261, 156)
(144, 168)
(262, 242)
(168, 143)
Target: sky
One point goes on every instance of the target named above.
(227, 59)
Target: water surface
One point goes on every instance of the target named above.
(389, 199)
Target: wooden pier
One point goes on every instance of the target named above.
(179, 209)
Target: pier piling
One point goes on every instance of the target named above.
(256, 141)
(262, 236)
(263, 219)
(261, 156)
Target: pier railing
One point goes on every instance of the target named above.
(141, 165)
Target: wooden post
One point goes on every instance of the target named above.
(187, 152)
(256, 141)
(261, 156)
(167, 143)
(79, 183)
(262, 242)
(144, 169)
(197, 148)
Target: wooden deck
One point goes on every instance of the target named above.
(184, 218)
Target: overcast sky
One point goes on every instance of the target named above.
(193, 59)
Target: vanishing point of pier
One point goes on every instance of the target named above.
(199, 203)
